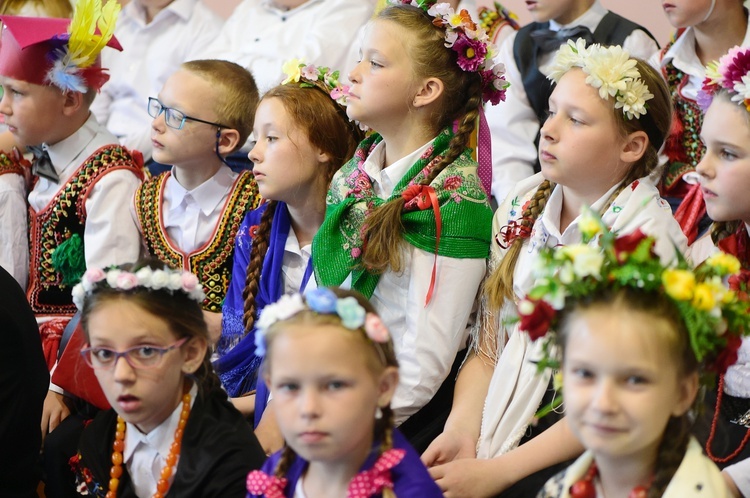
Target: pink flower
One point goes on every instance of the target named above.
(126, 280)
(356, 252)
(94, 275)
(452, 182)
(189, 281)
(470, 53)
(493, 87)
(733, 66)
(310, 72)
(375, 328)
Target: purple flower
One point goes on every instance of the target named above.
(470, 53)
(490, 91)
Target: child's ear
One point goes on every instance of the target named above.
(194, 351)
(73, 102)
(430, 90)
(387, 385)
(229, 140)
(688, 391)
(634, 147)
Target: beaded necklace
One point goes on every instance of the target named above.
(712, 433)
(585, 488)
(162, 486)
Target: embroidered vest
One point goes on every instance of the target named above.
(9, 164)
(61, 219)
(212, 263)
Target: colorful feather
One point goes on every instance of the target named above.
(90, 30)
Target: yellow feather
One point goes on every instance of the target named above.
(85, 43)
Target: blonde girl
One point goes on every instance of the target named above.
(609, 114)
(330, 366)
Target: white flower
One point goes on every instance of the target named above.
(609, 70)
(79, 293)
(159, 279)
(742, 88)
(286, 307)
(573, 54)
(144, 276)
(112, 277)
(525, 307)
(633, 99)
(439, 10)
(175, 281)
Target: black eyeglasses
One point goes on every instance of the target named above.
(172, 117)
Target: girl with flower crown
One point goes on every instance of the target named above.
(302, 136)
(609, 114)
(724, 171)
(171, 430)
(633, 335)
(407, 222)
(331, 368)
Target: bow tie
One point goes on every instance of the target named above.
(549, 41)
(42, 165)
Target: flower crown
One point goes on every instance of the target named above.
(324, 302)
(714, 316)
(146, 277)
(309, 76)
(90, 30)
(731, 73)
(476, 53)
(610, 70)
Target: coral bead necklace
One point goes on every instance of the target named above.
(162, 486)
(712, 433)
(585, 488)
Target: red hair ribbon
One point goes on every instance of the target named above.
(512, 231)
(424, 197)
(373, 481)
(260, 483)
(691, 210)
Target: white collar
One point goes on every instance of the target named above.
(271, 6)
(207, 195)
(181, 8)
(392, 174)
(550, 218)
(590, 19)
(67, 150)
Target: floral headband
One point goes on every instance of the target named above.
(476, 53)
(309, 76)
(714, 315)
(147, 278)
(322, 301)
(731, 73)
(610, 70)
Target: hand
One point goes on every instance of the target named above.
(469, 478)
(213, 321)
(55, 410)
(449, 446)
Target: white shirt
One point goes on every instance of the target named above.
(427, 339)
(261, 37)
(14, 236)
(294, 265)
(516, 389)
(152, 52)
(740, 474)
(514, 124)
(145, 455)
(110, 236)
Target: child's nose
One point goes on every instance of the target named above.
(159, 122)
(354, 73)
(5, 108)
(255, 153)
(605, 397)
(123, 372)
(310, 403)
(705, 168)
(548, 129)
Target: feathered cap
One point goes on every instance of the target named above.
(60, 52)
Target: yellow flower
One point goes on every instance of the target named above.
(589, 225)
(679, 284)
(703, 297)
(292, 70)
(725, 264)
(557, 380)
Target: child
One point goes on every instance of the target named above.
(33, 8)
(527, 56)
(632, 334)
(79, 204)
(190, 216)
(317, 31)
(302, 137)
(407, 222)
(706, 30)
(609, 115)
(14, 233)
(724, 177)
(148, 344)
(158, 36)
(332, 371)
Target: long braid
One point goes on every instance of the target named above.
(499, 285)
(384, 434)
(670, 454)
(257, 254)
(383, 228)
(285, 461)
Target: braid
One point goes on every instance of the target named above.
(383, 228)
(723, 229)
(670, 454)
(257, 254)
(384, 434)
(287, 457)
(499, 285)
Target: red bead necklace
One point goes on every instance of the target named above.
(710, 441)
(162, 486)
(585, 488)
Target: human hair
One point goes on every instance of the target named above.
(51, 8)
(183, 314)
(665, 322)
(237, 95)
(460, 101)
(655, 123)
(380, 355)
(327, 127)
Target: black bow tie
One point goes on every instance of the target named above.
(549, 41)
(42, 165)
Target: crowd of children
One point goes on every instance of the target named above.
(346, 316)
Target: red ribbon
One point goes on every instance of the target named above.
(484, 153)
(373, 481)
(511, 232)
(260, 483)
(691, 210)
(424, 197)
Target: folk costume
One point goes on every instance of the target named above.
(14, 233)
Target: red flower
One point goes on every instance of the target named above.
(253, 231)
(626, 244)
(727, 356)
(538, 322)
(452, 182)
(739, 283)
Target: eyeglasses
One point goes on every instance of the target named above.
(138, 357)
(174, 118)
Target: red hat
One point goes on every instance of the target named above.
(36, 50)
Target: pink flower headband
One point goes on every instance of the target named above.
(730, 73)
(476, 53)
(146, 277)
